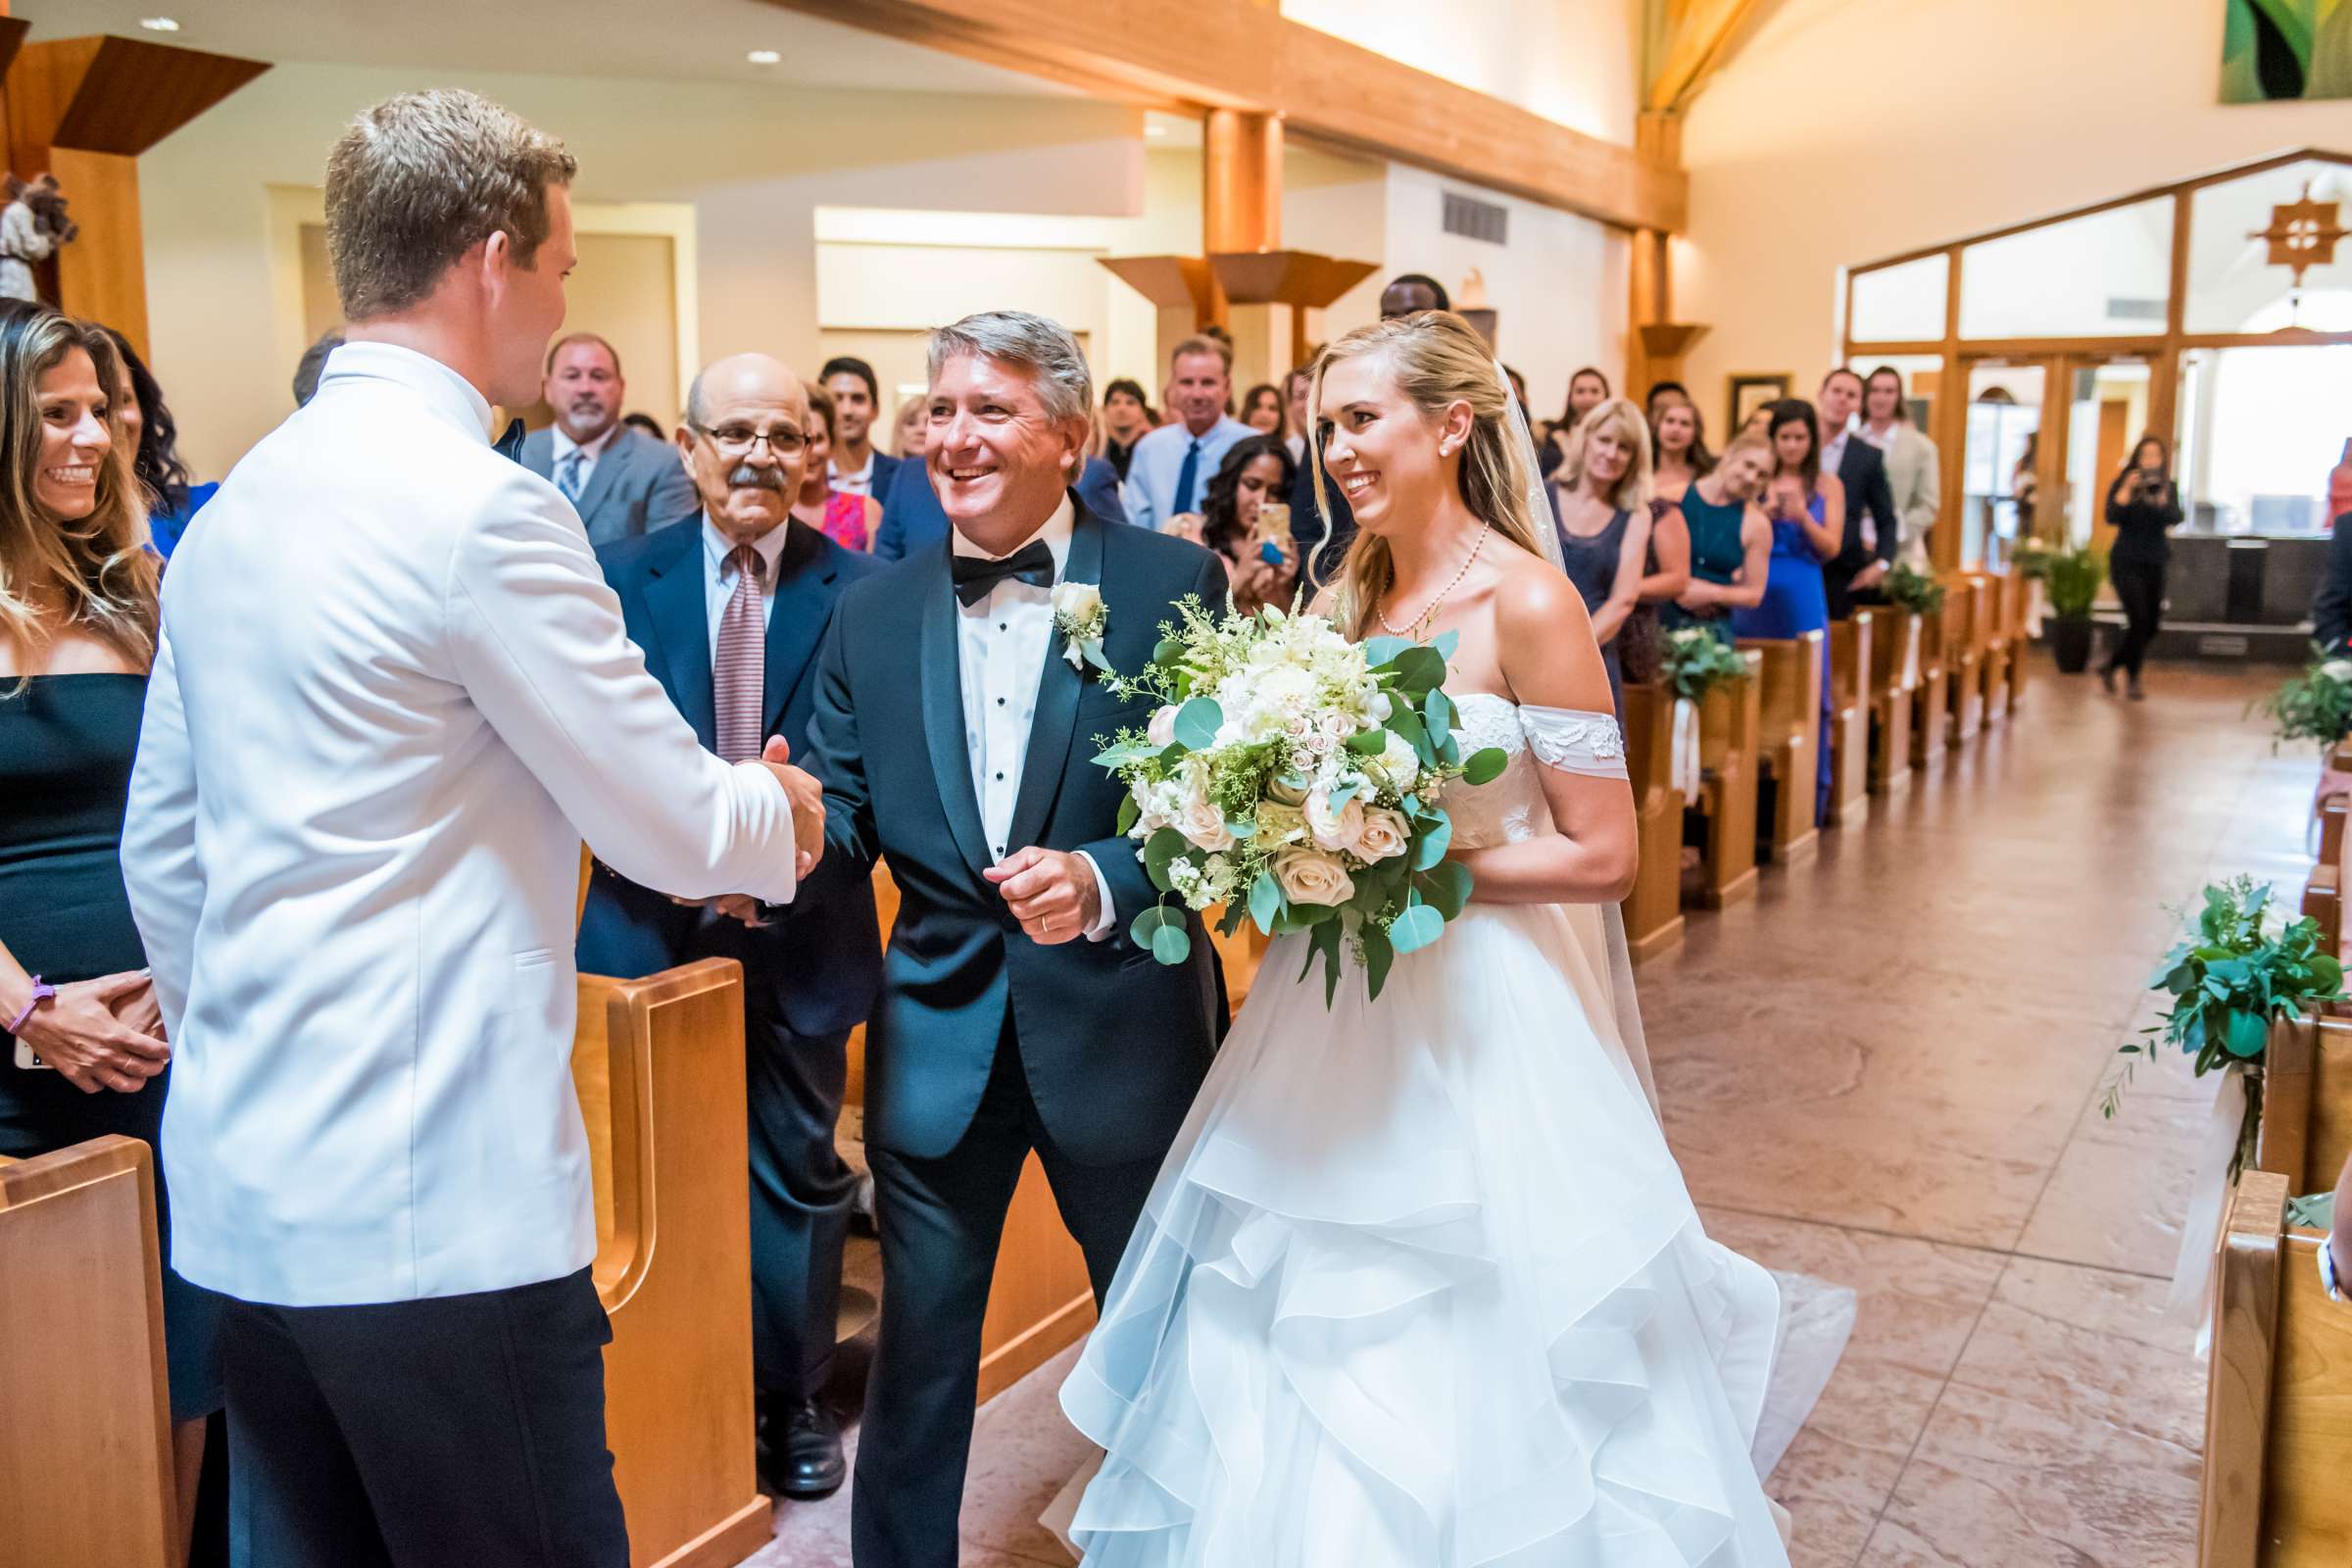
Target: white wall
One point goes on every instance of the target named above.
(1560, 286)
(1570, 61)
(754, 161)
(1844, 131)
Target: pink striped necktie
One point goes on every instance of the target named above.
(735, 675)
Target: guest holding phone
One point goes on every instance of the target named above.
(1237, 523)
(2143, 505)
(83, 1047)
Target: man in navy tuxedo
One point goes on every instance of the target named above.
(809, 969)
(912, 519)
(956, 740)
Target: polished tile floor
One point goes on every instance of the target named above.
(1885, 1072)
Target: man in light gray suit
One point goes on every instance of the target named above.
(620, 480)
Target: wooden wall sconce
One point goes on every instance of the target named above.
(84, 109)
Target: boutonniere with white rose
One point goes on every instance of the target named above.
(1082, 618)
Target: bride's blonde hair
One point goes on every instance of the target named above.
(1436, 360)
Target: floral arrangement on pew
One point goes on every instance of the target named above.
(2229, 981)
(1914, 590)
(1294, 776)
(1694, 662)
(2314, 706)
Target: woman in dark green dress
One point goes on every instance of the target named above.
(1731, 540)
(81, 1047)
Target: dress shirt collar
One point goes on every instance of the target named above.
(565, 445)
(1054, 531)
(717, 547)
(854, 477)
(448, 393)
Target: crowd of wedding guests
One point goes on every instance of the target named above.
(793, 486)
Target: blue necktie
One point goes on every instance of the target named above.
(1187, 476)
(568, 482)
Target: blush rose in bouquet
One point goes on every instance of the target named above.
(1293, 777)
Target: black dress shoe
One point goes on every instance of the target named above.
(803, 1459)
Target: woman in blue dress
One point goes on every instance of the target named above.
(1807, 511)
(1731, 543)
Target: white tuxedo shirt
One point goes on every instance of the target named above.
(391, 692)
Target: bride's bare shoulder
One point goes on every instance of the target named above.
(1530, 590)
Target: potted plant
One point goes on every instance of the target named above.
(2315, 706)
(2069, 579)
(1914, 590)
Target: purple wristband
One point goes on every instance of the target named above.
(40, 993)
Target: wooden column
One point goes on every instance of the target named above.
(1950, 418)
(1656, 342)
(1241, 215)
(84, 109)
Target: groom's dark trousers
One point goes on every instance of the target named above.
(986, 1045)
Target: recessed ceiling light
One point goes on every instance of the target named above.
(1156, 130)
(159, 23)
(764, 57)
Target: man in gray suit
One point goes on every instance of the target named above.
(620, 480)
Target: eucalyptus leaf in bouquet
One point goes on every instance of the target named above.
(2314, 706)
(1294, 778)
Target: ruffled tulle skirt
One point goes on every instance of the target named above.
(1420, 1287)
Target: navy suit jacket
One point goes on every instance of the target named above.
(821, 958)
(1863, 474)
(912, 519)
(1112, 1043)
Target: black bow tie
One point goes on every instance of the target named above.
(510, 445)
(1032, 563)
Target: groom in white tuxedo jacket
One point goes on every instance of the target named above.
(391, 692)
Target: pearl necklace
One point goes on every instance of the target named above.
(1414, 627)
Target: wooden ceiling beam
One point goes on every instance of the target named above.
(1700, 30)
(1241, 54)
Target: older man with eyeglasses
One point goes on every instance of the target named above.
(731, 605)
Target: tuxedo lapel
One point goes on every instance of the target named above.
(1057, 690)
(941, 665)
(681, 628)
(795, 622)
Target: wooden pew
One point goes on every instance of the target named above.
(86, 1439)
(1964, 656)
(1992, 610)
(1730, 722)
(2323, 894)
(2278, 1400)
(2307, 1102)
(1930, 727)
(1894, 674)
(1848, 739)
(1790, 738)
(2021, 595)
(659, 1066)
(1653, 910)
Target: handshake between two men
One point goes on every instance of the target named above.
(1054, 894)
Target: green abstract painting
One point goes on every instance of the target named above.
(2277, 49)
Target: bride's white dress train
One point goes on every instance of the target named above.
(1420, 1286)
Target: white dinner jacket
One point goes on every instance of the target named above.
(391, 692)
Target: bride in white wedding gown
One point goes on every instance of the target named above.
(1419, 1285)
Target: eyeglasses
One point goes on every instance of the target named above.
(737, 440)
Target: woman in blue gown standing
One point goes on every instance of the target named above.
(1807, 511)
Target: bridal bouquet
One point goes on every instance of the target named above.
(1293, 777)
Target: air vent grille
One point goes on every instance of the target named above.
(1473, 219)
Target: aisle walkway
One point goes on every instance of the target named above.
(1886, 1073)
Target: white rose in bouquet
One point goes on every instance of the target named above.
(1282, 790)
(1397, 765)
(1309, 876)
(1333, 828)
(1203, 825)
(1161, 732)
(1386, 833)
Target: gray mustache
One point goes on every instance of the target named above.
(745, 476)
